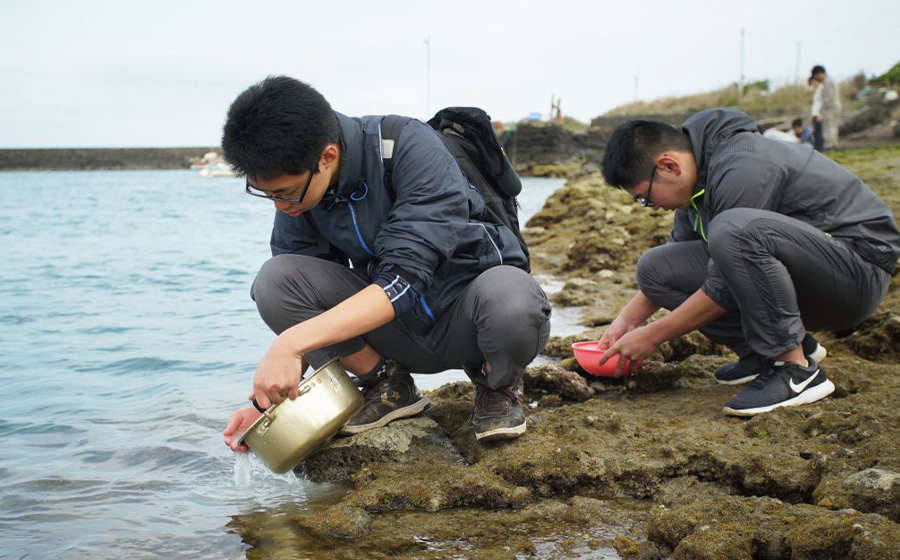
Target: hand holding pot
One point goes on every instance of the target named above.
(238, 423)
(277, 375)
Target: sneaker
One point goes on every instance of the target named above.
(390, 394)
(498, 414)
(750, 366)
(781, 384)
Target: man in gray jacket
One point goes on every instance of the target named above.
(770, 240)
(391, 274)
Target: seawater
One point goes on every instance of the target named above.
(127, 336)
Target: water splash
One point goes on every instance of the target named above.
(243, 473)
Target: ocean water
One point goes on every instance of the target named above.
(127, 336)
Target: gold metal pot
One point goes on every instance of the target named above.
(289, 431)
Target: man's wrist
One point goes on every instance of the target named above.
(292, 341)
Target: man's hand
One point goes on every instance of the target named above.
(238, 423)
(277, 375)
(613, 333)
(633, 346)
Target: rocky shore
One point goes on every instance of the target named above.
(644, 467)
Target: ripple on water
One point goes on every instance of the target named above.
(132, 365)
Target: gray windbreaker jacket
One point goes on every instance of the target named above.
(739, 168)
(433, 229)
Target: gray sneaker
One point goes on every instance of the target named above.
(389, 395)
(498, 414)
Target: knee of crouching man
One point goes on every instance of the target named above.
(728, 233)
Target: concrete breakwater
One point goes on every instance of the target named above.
(58, 159)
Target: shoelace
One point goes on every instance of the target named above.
(764, 376)
(493, 400)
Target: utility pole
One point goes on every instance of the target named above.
(636, 74)
(428, 77)
(797, 75)
(741, 84)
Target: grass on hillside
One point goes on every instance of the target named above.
(788, 100)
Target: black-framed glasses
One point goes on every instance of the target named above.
(645, 200)
(253, 191)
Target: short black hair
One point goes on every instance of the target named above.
(816, 69)
(796, 123)
(276, 127)
(633, 147)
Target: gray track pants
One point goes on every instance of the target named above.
(783, 277)
(502, 316)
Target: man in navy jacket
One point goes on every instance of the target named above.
(390, 278)
(770, 240)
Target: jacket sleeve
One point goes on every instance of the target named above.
(429, 210)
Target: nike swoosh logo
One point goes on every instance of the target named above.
(798, 388)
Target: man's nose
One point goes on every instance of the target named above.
(281, 205)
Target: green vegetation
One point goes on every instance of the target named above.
(758, 99)
(792, 99)
(891, 77)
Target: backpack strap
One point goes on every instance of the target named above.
(391, 126)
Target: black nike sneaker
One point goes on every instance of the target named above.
(749, 366)
(780, 384)
(389, 395)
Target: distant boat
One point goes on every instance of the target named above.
(212, 165)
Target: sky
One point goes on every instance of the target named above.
(141, 73)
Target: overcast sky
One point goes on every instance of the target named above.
(162, 73)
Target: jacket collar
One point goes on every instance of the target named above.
(352, 138)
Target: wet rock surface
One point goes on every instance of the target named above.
(644, 466)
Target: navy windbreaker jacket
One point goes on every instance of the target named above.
(431, 228)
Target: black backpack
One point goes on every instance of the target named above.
(469, 135)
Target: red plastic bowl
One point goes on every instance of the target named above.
(588, 356)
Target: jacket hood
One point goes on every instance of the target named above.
(708, 129)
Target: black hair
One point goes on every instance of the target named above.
(633, 147)
(796, 123)
(278, 126)
(817, 68)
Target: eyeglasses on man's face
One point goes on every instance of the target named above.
(645, 200)
(253, 191)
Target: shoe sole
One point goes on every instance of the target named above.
(405, 412)
(502, 433)
(817, 356)
(812, 395)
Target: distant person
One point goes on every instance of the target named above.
(816, 114)
(781, 135)
(829, 113)
(411, 276)
(803, 132)
(769, 242)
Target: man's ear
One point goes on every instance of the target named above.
(669, 162)
(330, 155)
